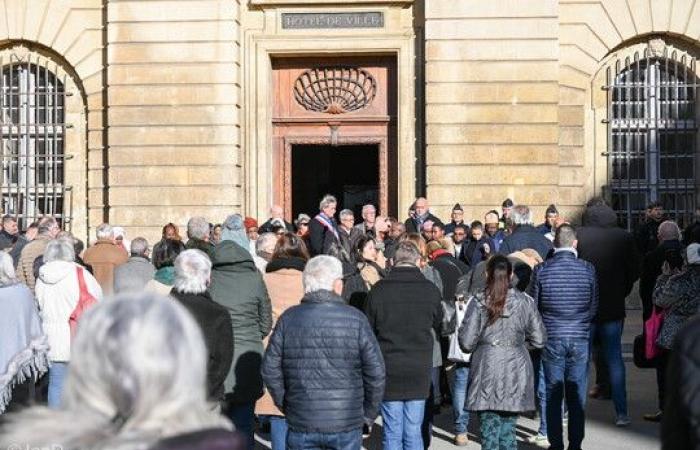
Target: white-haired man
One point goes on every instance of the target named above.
(323, 365)
(419, 214)
(198, 236)
(276, 219)
(104, 257)
(369, 215)
(323, 229)
(525, 235)
(133, 275)
(192, 277)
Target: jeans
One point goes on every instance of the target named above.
(278, 431)
(540, 391)
(459, 397)
(348, 440)
(610, 337)
(498, 430)
(401, 425)
(565, 363)
(243, 417)
(57, 376)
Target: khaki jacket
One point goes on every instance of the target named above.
(30, 252)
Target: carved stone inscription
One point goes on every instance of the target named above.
(332, 20)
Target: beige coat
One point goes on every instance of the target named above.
(285, 289)
(30, 252)
(104, 256)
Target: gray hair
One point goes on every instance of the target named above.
(60, 249)
(265, 245)
(346, 213)
(139, 246)
(104, 231)
(326, 201)
(521, 215)
(565, 236)
(7, 270)
(46, 224)
(192, 272)
(321, 272)
(407, 253)
(198, 228)
(366, 208)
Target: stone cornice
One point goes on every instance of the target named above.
(272, 3)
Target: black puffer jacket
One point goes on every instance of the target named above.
(613, 253)
(323, 366)
(681, 420)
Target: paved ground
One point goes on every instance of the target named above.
(601, 433)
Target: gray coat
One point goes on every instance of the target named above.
(501, 375)
(133, 275)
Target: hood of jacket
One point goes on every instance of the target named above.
(231, 257)
(55, 271)
(599, 216)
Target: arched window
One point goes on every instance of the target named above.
(32, 121)
(653, 136)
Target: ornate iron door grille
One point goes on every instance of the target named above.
(32, 142)
(652, 124)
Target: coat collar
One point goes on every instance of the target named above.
(322, 296)
(405, 273)
(285, 263)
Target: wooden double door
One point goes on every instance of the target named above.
(334, 126)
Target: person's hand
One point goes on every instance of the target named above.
(487, 249)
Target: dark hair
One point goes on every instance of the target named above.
(277, 228)
(656, 204)
(551, 209)
(498, 273)
(165, 252)
(78, 246)
(564, 236)
(360, 246)
(289, 245)
(461, 226)
(478, 225)
(596, 201)
(438, 225)
(674, 258)
(507, 203)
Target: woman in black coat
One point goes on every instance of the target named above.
(192, 275)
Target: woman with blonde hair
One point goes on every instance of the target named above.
(137, 381)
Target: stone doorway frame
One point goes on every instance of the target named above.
(263, 45)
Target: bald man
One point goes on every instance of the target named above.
(276, 219)
(420, 215)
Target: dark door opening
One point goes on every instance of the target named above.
(349, 172)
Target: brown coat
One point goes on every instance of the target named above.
(104, 256)
(285, 289)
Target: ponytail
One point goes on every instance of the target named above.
(498, 274)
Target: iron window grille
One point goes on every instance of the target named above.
(652, 124)
(32, 141)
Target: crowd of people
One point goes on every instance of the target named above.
(312, 330)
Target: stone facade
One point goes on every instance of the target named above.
(175, 118)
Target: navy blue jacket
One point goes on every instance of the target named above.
(323, 366)
(566, 292)
(525, 236)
